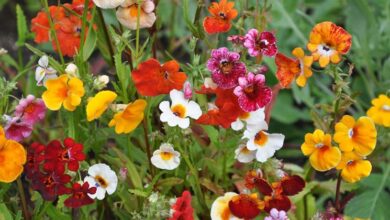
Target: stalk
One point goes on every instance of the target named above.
(106, 35)
(337, 199)
(23, 199)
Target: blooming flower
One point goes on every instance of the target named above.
(244, 155)
(80, 196)
(223, 116)
(277, 215)
(220, 208)
(225, 67)
(380, 111)
(357, 135)
(222, 13)
(40, 24)
(30, 109)
(245, 206)
(166, 157)
(182, 208)
(127, 120)
(105, 4)
(152, 79)
(127, 14)
(51, 184)
(323, 156)
(63, 91)
(12, 158)
(353, 167)
(289, 69)
(17, 129)
(251, 118)
(35, 156)
(252, 92)
(327, 42)
(99, 103)
(44, 72)
(103, 178)
(263, 43)
(178, 112)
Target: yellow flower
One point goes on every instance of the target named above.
(357, 135)
(323, 156)
(380, 111)
(63, 91)
(128, 119)
(353, 167)
(305, 63)
(12, 158)
(99, 103)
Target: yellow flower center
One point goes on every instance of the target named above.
(179, 110)
(386, 108)
(261, 138)
(226, 67)
(101, 181)
(134, 10)
(244, 116)
(166, 155)
(245, 150)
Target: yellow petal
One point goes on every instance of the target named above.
(298, 52)
(324, 61)
(335, 58)
(325, 158)
(356, 170)
(99, 103)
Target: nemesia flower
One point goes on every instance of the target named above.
(328, 42)
(277, 215)
(252, 92)
(105, 4)
(263, 43)
(289, 69)
(225, 67)
(40, 24)
(166, 157)
(35, 156)
(223, 116)
(182, 208)
(44, 72)
(246, 206)
(357, 135)
(12, 158)
(322, 155)
(251, 118)
(63, 91)
(30, 110)
(103, 178)
(187, 90)
(127, 14)
(51, 184)
(380, 110)
(178, 112)
(353, 167)
(222, 13)
(127, 120)
(220, 208)
(244, 155)
(152, 79)
(78, 5)
(99, 103)
(16, 129)
(80, 196)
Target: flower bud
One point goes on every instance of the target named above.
(100, 82)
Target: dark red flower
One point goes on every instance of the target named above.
(80, 196)
(292, 185)
(245, 206)
(182, 209)
(51, 184)
(35, 157)
(279, 202)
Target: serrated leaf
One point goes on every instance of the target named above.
(21, 26)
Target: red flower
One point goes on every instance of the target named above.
(219, 116)
(80, 196)
(78, 5)
(182, 209)
(51, 184)
(35, 157)
(152, 79)
(222, 13)
(245, 206)
(40, 24)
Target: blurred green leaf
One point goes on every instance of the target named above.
(21, 26)
(4, 212)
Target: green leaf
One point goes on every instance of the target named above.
(90, 43)
(4, 212)
(21, 26)
(212, 133)
(131, 168)
(52, 62)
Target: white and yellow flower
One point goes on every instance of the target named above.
(244, 155)
(44, 72)
(105, 4)
(103, 178)
(127, 14)
(251, 119)
(220, 207)
(166, 157)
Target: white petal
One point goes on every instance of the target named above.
(164, 106)
(148, 6)
(177, 97)
(43, 61)
(256, 117)
(193, 110)
(183, 122)
(263, 154)
(237, 125)
(100, 193)
(251, 144)
(276, 140)
(90, 180)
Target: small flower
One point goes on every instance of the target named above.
(225, 67)
(63, 91)
(127, 120)
(80, 195)
(187, 90)
(222, 13)
(103, 178)
(166, 157)
(223, 116)
(12, 158)
(327, 42)
(35, 156)
(16, 129)
(72, 70)
(277, 215)
(380, 110)
(252, 92)
(44, 72)
(101, 82)
(244, 155)
(182, 208)
(263, 43)
(99, 103)
(178, 112)
(323, 156)
(251, 118)
(127, 14)
(106, 4)
(354, 167)
(30, 110)
(51, 184)
(357, 135)
(220, 208)
(245, 206)
(123, 173)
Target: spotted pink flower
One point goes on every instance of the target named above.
(225, 67)
(252, 92)
(17, 129)
(263, 43)
(30, 109)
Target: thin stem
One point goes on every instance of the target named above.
(137, 32)
(106, 35)
(84, 24)
(337, 199)
(23, 199)
(148, 147)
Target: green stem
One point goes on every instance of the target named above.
(106, 35)
(137, 32)
(23, 199)
(83, 25)
(337, 199)
(148, 147)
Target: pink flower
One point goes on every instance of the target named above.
(17, 130)
(276, 215)
(225, 67)
(252, 92)
(263, 43)
(30, 110)
(182, 208)
(187, 90)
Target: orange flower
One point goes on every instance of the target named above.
(223, 116)
(327, 42)
(40, 24)
(152, 79)
(222, 14)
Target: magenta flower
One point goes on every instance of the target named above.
(30, 110)
(252, 92)
(187, 90)
(263, 43)
(225, 67)
(276, 215)
(17, 130)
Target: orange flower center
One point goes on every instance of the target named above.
(319, 145)
(244, 116)
(48, 181)
(30, 108)
(222, 15)
(79, 195)
(225, 215)
(245, 150)
(166, 155)
(261, 138)
(179, 110)
(134, 10)
(101, 181)
(226, 67)
(249, 89)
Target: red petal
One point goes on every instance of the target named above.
(244, 206)
(292, 185)
(279, 203)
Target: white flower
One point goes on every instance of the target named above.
(220, 207)
(72, 70)
(166, 157)
(265, 144)
(251, 118)
(244, 155)
(127, 14)
(44, 72)
(108, 3)
(103, 178)
(3, 51)
(179, 111)
(101, 81)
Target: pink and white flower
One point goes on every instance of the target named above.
(17, 129)
(30, 110)
(263, 43)
(277, 215)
